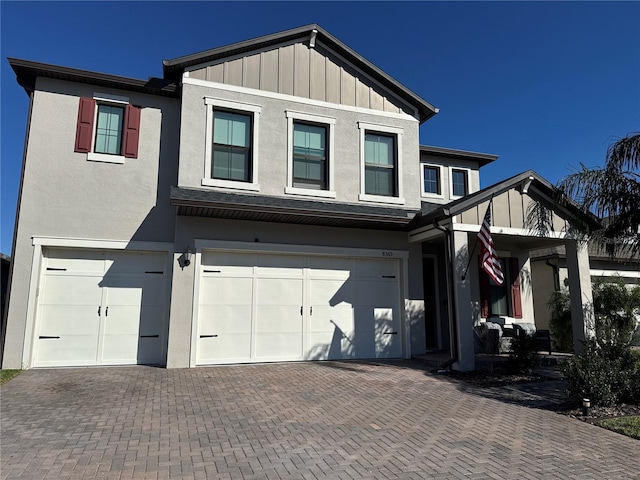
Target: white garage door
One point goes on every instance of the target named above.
(274, 307)
(100, 308)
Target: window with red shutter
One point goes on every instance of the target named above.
(110, 135)
(505, 299)
(516, 298)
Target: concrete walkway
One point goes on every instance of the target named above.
(336, 420)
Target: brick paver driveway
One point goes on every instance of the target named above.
(302, 421)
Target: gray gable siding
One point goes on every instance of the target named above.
(296, 69)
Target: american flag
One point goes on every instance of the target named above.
(489, 259)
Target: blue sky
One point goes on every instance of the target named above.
(545, 85)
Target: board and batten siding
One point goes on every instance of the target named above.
(314, 73)
(510, 209)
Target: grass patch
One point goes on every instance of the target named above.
(6, 375)
(629, 426)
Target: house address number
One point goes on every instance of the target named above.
(386, 253)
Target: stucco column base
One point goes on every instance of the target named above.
(582, 319)
(463, 307)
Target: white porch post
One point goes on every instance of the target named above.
(462, 298)
(582, 318)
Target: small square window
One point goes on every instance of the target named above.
(431, 180)
(459, 182)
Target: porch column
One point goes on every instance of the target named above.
(462, 303)
(582, 318)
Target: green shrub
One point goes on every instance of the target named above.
(523, 356)
(605, 374)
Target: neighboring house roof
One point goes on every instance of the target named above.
(27, 72)
(525, 180)
(208, 203)
(482, 158)
(174, 68)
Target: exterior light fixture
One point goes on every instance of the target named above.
(187, 257)
(586, 406)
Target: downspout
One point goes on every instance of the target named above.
(453, 330)
(556, 274)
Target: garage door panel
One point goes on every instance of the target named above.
(212, 260)
(364, 332)
(378, 293)
(224, 348)
(71, 290)
(279, 291)
(326, 319)
(279, 346)
(62, 320)
(330, 267)
(279, 318)
(226, 291)
(135, 291)
(331, 292)
(75, 261)
(68, 350)
(223, 319)
(374, 268)
(280, 264)
(135, 263)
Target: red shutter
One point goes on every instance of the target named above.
(516, 299)
(84, 128)
(483, 278)
(131, 132)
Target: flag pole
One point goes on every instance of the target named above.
(466, 270)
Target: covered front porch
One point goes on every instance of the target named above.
(458, 293)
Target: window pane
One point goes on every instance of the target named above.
(431, 180)
(459, 182)
(221, 162)
(309, 156)
(231, 129)
(109, 129)
(238, 166)
(378, 149)
(498, 295)
(379, 181)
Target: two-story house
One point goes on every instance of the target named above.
(263, 201)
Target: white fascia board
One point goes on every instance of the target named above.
(516, 232)
(613, 273)
(425, 234)
(201, 244)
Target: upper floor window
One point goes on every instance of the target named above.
(108, 128)
(459, 182)
(310, 157)
(431, 180)
(231, 144)
(381, 165)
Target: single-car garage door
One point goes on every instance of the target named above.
(256, 307)
(100, 308)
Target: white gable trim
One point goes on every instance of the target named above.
(292, 98)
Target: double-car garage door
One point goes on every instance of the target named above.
(260, 307)
(100, 308)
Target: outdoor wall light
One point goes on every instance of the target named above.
(187, 257)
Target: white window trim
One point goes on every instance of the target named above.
(441, 179)
(105, 99)
(249, 109)
(330, 123)
(468, 171)
(398, 132)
